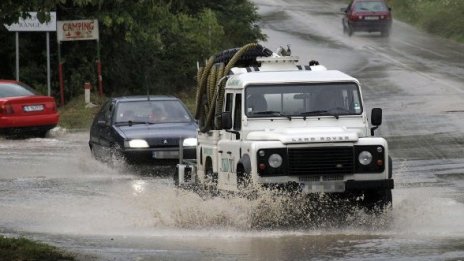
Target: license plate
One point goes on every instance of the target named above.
(165, 154)
(321, 187)
(33, 108)
(371, 18)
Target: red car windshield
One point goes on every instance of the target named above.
(15, 90)
(371, 6)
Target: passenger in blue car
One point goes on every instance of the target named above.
(157, 114)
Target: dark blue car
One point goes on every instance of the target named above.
(143, 129)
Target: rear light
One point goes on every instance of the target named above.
(6, 109)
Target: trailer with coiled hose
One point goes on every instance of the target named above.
(267, 121)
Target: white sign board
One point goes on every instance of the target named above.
(32, 24)
(77, 30)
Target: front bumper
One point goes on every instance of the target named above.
(158, 156)
(348, 186)
(371, 26)
(357, 185)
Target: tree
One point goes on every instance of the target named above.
(145, 44)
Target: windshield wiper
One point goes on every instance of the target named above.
(274, 113)
(130, 123)
(319, 112)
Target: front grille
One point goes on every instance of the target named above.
(320, 161)
(163, 142)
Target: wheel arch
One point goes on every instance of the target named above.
(390, 167)
(208, 163)
(245, 163)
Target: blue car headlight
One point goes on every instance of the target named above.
(190, 142)
(136, 143)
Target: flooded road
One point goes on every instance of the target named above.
(52, 190)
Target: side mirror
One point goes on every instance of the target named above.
(226, 120)
(343, 10)
(376, 119)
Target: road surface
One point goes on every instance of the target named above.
(52, 190)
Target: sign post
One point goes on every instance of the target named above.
(32, 24)
(79, 30)
(17, 55)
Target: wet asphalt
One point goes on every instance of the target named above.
(52, 190)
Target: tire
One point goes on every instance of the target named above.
(244, 180)
(247, 59)
(176, 177)
(211, 181)
(93, 153)
(385, 33)
(378, 200)
(116, 155)
(245, 185)
(42, 133)
(350, 31)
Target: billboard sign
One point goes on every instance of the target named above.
(77, 30)
(32, 24)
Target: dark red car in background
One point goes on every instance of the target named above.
(23, 110)
(367, 16)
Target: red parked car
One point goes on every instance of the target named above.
(23, 110)
(367, 16)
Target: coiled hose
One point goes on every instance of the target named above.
(211, 83)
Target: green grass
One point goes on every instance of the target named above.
(25, 249)
(74, 115)
(189, 99)
(440, 17)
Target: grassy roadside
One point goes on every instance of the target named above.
(441, 17)
(74, 115)
(25, 249)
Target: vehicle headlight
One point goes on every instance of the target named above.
(189, 142)
(275, 160)
(138, 143)
(365, 158)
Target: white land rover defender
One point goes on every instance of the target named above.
(282, 124)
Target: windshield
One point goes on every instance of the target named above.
(151, 112)
(303, 100)
(15, 90)
(374, 6)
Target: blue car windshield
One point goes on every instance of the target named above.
(151, 112)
